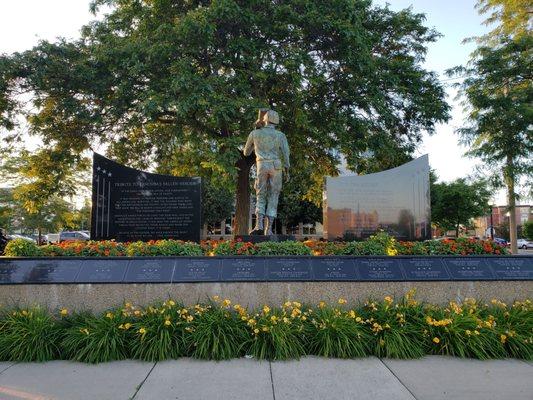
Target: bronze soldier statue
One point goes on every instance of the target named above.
(272, 161)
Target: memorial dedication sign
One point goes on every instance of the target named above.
(396, 201)
(128, 204)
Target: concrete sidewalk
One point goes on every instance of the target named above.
(430, 378)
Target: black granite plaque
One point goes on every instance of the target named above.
(289, 269)
(128, 204)
(14, 271)
(102, 271)
(197, 270)
(464, 268)
(54, 271)
(424, 269)
(511, 268)
(243, 269)
(150, 270)
(379, 269)
(333, 269)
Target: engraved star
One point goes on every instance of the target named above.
(103, 171)
(98, 168)
(109, 174)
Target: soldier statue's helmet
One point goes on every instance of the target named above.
(271, 117)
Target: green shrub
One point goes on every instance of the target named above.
(22, 248)
(29, 335)
(165, 247)
(215, 332)
(158, 333)
(276, 334)
(231, 248)
(334, 332)
(412, 248)
(95, 339)
(282, 249)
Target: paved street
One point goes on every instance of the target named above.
(430, 378)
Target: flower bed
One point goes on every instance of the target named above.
(380, 244)
(218, 329)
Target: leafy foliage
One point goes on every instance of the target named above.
(163, 247)
(22, 248)
(216, 333)
(29, 335)
(95, 339)
(403, 328)
(178, 84)
(458, 202)
(158, 332)
(275, 334)
(498, 91)
(527, 230)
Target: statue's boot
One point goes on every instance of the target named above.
(268, 225)
(259, 227)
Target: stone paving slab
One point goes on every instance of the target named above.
(65, 380)
(324, 379)
(5, 365)
(449, 378)
(188, 379)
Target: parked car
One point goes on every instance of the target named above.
(500, 241)
(67, 236)
(15, 236)
(524, 244)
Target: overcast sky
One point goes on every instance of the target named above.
(24, 22)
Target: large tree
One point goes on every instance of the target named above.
(499, 92)
(456, 203)
(162, 79)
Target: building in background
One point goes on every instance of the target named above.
(500, 221)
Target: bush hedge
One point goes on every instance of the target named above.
(379, 244)
(218, 329)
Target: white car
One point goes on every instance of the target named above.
(524, 244)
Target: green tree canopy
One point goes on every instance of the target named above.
(527, 230)
(160, 79)
(498, 91)
(458, 202)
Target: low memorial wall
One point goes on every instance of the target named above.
(99, 283)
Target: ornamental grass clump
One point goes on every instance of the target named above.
(275, 334)
(337, 332)
(95, 339)
(158, 331)
(29, 335)
(395, 327)
(215, 331)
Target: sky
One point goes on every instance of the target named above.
(24, 22)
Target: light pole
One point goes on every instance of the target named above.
(491, 224)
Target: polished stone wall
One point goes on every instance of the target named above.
(396, 200)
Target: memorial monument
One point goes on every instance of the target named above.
(272, 162)
(396, 201)
(128, 204)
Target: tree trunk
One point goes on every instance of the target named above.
(39, 238)
(242, 195)
(511, 203)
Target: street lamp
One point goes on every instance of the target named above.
(491, 224)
